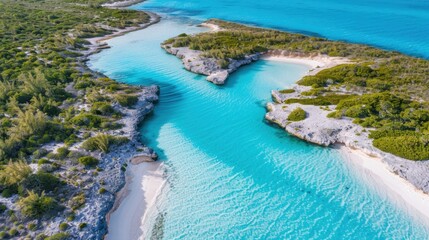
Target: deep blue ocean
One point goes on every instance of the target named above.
(233, 176)
(401, 25)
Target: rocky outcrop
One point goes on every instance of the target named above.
(196, 62)
(319, 129)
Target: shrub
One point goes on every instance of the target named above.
(285, 91)
(223, 63)
(82, 226)
(32, 226)
(77, 201)
(43, 161)
(297, 115)
(62, 152)
(3, 208)
(126, 100)
(102, 190)
(40, 153)
(8, 192)
(36, 205)
(375, 134)
(103, 142)
(335, 114)
(87, 120)
(331, 99)
(14, 173)
(13, 232)
(409, 147)
(63, 226)
(40, 182)
(58, 236)
(88, 161)
(102, 108)
(358, 111)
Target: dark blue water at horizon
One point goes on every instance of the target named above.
(399, 25)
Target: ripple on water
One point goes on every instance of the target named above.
(230, 174)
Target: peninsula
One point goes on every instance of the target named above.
(356, 95)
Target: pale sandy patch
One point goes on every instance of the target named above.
(399, 190)
(145, 182)
(316, 63)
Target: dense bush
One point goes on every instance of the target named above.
(102, 108)
(284, 91)
(87, 120)
(63, 226)
(40, 182)
(14, 173)
(409, 147)
(103, 142)
(88, 161)
(298, 114)
(126, 100)
(351, 73)
(36, 205)
(331, 99)
(58, 236)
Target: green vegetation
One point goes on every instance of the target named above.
(36, 205)
(297, 114)
(285, 91)
(48, 97)
(82, 226)
(103, 142)
(410, 147)
(14, 173)
(58, 236)
(63, 226)
(331, 99)
(40, 182)
(126, 100)
(88, 161)
(379, 89)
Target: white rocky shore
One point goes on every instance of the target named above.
(319, 129)
(112, 177)
(196, 62)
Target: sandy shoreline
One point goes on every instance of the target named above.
(145, 182)
(96, 43)
(316, 63)
(400, 191)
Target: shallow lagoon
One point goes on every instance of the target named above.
(231, 175)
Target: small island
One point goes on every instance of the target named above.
(355, 95)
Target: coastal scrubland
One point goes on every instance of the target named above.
(50, 103)
(384, 91)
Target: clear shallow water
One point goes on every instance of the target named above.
(231, 175)
(401, 25)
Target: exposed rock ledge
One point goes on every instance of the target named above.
(196, 62)
(319, 129)
(112, 177)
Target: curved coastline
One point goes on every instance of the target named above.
(128, 153)
(355, 147)
(410, 176)
(378, 169)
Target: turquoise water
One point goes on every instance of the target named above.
(233, 176)
(401, 25)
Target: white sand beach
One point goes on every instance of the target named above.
(145, 182)
(212, 27)
(399, 190)
(316, 63)
(372, 169)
